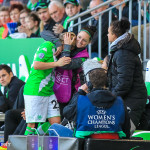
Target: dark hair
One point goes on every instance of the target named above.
(3, 8)
(90, 29)
(98, 78)
(5, 67)
(16, 6)
(119, 27)
(25, 10)
(34, 17)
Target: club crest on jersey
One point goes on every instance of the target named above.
(41, 55)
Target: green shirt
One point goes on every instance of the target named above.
(1, 31)
(31, 6)
(40, 82)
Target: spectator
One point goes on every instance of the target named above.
(38, 90)
(8, 3)
(84, 4)
(46, 22)
(125, 11)
(125, 69)
(23, 14)
(32, 4)
(32, 22)
(11, 86)
(90, 107)
(104, 29)
(116, 9)
(21, 29)
(57, 12)
(15, 10)
(32, 26)
(72, 8)
(4, 18)
(135, 9)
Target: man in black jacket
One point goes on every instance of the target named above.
(11, 86)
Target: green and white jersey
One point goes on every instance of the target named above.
(40, 82)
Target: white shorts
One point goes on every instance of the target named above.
(38, 108)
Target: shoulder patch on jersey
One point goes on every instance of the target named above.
(41, 55)
(45, 49)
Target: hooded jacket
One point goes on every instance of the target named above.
(99, 98)
(125, 75)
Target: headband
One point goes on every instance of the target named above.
(86, 32)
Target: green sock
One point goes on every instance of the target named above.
(29, 131)
(43, 129)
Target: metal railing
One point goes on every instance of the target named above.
(141, 28)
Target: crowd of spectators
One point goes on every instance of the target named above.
(53, 15)
(48, 20)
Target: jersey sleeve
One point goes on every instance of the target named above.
(44, 52)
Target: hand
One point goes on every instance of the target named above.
(58, 28)
(84, 87)
(23, 115)
(63, 61)
(22, 29)
(59, 50)
(142, 12)
(67, 38)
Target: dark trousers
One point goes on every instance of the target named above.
(12, 120)
(20, 130)
(61, 107)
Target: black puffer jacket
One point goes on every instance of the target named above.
(125, 75)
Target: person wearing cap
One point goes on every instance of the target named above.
(94, 109)
(57, 16)
(72, 8)
(33, 3)
(46, 22)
